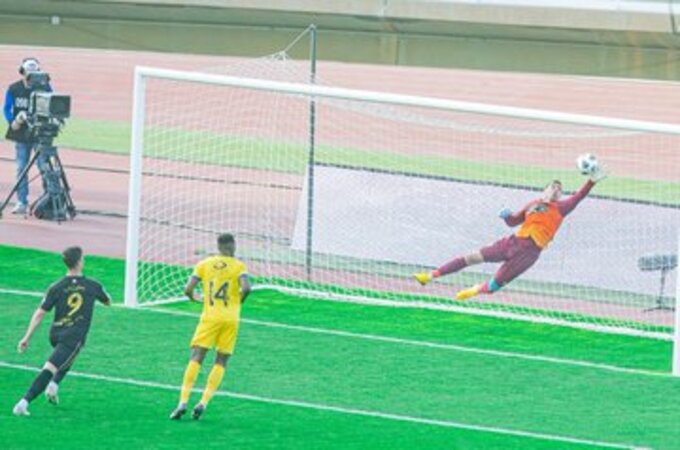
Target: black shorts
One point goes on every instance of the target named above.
(64, 353)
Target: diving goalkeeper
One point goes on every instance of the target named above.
(539, 219)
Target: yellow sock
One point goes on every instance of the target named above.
(190, 375)
(214, 380)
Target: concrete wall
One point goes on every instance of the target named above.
(622, 15)
(462, 34)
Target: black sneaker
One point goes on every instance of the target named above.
(178, 412)
(198, 411)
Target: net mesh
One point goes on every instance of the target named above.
(394, 190)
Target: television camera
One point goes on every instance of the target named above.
(45, 118)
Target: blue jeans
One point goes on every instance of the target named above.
(23, 156)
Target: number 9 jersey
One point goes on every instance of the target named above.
(221, 283)
(73, 299)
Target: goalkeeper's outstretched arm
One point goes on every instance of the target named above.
(598, 174)
(567, 205)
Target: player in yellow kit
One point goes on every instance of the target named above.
(225, 284)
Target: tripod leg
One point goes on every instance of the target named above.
(661, 288)
(58, 202)
(55, 191)
(659, 299)
(59, 199)
(70, 206)
(20, 178)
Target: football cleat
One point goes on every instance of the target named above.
(198, 411)
(423, 277)
(467, 293)
(178, 412)
(21, 408)
(52, 393)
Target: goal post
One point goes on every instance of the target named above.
(398, 183)
(134, 190)
(676, 331)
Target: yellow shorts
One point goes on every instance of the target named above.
(216, 333)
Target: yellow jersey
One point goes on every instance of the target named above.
(220, 277)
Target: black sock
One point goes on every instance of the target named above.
(39, 385)
(60, 375)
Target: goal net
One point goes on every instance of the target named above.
(341, 194)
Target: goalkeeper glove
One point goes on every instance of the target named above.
(598, 174)
(505, 213)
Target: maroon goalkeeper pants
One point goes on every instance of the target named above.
(517, 253)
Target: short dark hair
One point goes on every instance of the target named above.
(553, 182)
(71, 256)
(226, 244)
(225, 239)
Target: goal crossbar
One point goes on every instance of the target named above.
(408, 100)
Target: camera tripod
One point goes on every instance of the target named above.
(660, 305)
(663, 263)
(55, 203)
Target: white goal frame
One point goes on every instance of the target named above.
(314, 91)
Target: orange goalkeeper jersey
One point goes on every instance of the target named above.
(541, 222)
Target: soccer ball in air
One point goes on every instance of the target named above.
(587, 164)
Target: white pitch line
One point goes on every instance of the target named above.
(342, 410)
(409, 342)
(434, 345)
(20, 292)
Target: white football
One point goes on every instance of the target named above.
(587, 164)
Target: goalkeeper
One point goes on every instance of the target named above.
(539, 219)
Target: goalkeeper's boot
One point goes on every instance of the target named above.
(21, 408)
(52, 393)
(423, 277)
(198, 411)
(469, 292)
(178, 412)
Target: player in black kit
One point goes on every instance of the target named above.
(72, 298)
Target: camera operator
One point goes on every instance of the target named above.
(16, 106)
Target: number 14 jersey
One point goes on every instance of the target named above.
(221, 282)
